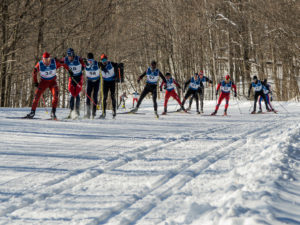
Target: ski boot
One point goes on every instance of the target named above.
(70, 114)
(225, 113)
(88, 112)
(202, 111)
(198, 112)
(188, 108)
(253, 112)
(156, 114)
(53, 114)
(94, 113)
(213, 113)
(134, 110)
(259, 111)
(165, 111)
(114, 114)
(30, 115)
(103, 115)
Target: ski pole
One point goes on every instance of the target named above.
(86, 93)
(238, 105)
(45, 105)
(283, 107)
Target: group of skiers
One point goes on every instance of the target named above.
(75, 66)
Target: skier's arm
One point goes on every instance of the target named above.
(162, 77)
(141, 76)
(218, 88)
(82, 63)
(161, 86)
(34, 74)
(187, 83)
(250, 87)
(60, 64)
(208, 80)
(234, 89)
(177, 85)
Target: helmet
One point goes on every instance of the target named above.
(227, 77)
(46, 55)
(254, 77)
(103, 56)
(90, 56)
(70, 52)
(168, 74)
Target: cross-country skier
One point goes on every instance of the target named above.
(135, 98)
(151, 86)
(92, 73)
(77, 65)
(109, 83)
(258, 91)
(267, 92)
(204, 80)
(47, 69)
(170, 91)
(225, 86)
(194, 84)
(123, 98)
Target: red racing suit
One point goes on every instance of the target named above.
(225, 93)
(48, 80)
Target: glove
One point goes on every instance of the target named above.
(216, 92)
(160, 89)
(71, 74)
(165, 86)
(138, 80)
(36, 84)
(271, 98)
(235, 94)
(85, 61)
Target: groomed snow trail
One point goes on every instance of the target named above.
(179, 169)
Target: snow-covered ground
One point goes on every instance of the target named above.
(178, 169)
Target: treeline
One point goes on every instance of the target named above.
(237, 37)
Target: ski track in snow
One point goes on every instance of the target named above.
(129, 145)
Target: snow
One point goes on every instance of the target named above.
(179, 169)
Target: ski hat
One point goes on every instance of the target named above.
(46, 55)
(90, 55)
(254, 77)
(153, 63)
(168, 74)
(196, 74)
(265, 81)
(227, 77)
(70, 52)
(103, 58)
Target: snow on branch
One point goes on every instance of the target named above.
(222, 17)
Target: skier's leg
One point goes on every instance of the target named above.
(191, 102)
(259, 102)
(255, 101)
(54, 90)
(201, 95)
(265, 100)
(195, 95)
(105, 94)
(188, 94)
(38, 93)
(154, 97)
(113, 96)
(221, 97)
(167, 96)
(89, 89)
(96, 85)
(227, 97)
(143, 95)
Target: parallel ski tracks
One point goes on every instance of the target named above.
(59, 185)
(140, 205)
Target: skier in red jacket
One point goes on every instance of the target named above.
(225, 86)
(170, 91)
(47, 69)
